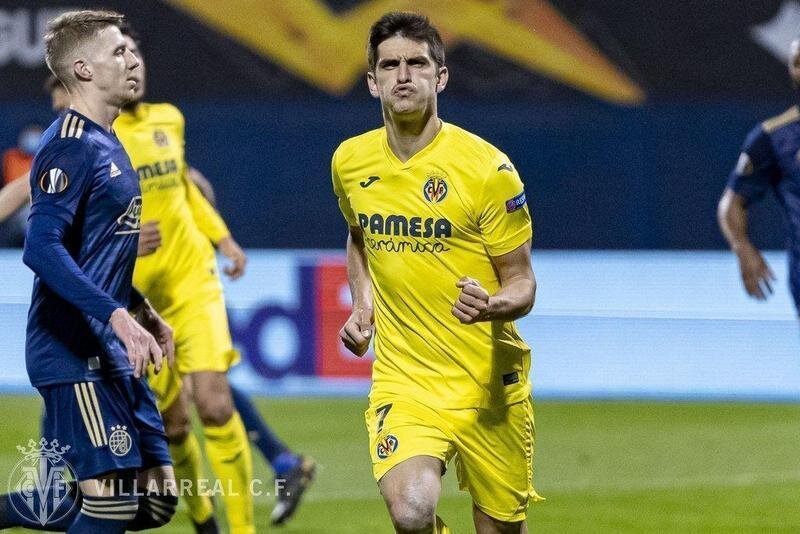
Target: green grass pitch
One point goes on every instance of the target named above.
(603, 467)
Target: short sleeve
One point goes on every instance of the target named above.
(60, 175)
(344, 202)
(503, 219)
(757, 169)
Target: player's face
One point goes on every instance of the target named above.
(132, 46)
(406, 78)
(794, 62)
(59, 98)
(114, 69)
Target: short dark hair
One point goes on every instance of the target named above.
(68, 31)
(410, 25)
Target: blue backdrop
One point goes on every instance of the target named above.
(598, 176)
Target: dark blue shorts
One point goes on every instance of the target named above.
(109, 425)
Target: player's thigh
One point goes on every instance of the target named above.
(495, 458)
(399, 430)
(159, 480)
(99, 422)
(177, 417)
(110, 484)
(202, 337)
(412, 488)
(485, 524)
(149, 424)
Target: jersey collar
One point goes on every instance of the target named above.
(420, 156)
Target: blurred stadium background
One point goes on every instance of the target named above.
(667, 401)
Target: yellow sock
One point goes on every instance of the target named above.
(440, 527)
(188, 466)
(228, 452)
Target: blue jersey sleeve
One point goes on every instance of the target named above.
(60, 179)
(47, 256)
(60, 175)
(757, 169)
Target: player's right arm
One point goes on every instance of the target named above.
(14, 195)
(756, 171)
(59, 183)
(358, 330)
(757, 277)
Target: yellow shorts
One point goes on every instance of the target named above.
(202, 343)
(492, 447)
(166, 386)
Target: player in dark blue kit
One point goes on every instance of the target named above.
(85, 353)
(769, 160)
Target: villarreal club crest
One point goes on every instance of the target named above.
(435, 189)
(387, 446)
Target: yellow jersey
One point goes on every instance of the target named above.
(427, 222)
(183, 268)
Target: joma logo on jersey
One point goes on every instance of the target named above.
(130, 221)
(403, 226)
(160, 168)
(387, 446)
(435, 189)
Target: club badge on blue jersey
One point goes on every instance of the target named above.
(54, 181)
(130, 221)
(120, 441)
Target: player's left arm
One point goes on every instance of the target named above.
(513, 300)
(505, 225)
(203, 184)
(214, 228)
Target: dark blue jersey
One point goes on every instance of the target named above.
(81, 243)
(770, 159)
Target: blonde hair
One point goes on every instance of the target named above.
(67, 32)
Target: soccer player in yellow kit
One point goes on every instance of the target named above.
(180, 279)
(439, 266)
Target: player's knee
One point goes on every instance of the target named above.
(177, 421)
(154, 511)
(412, 515)
(177, 430)
(487, 523)
(214, 411)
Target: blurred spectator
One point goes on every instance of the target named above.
(17, 161)
(16, 164)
